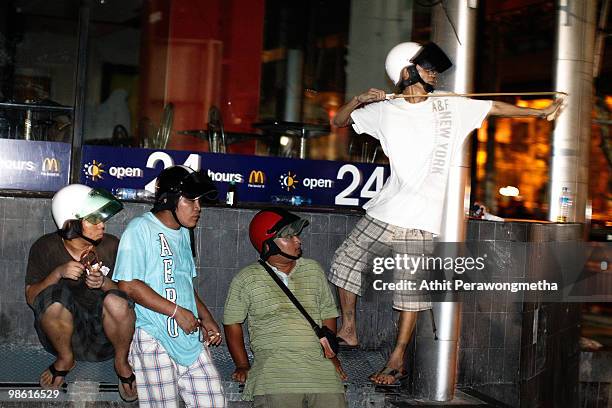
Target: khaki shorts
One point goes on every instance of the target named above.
(300, 400)
(371, 238)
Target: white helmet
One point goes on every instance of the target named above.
(398, 58)
(77, 202)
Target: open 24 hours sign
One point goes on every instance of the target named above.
(267, 180)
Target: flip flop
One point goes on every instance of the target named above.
(54, 374)
(397, 375)
(343, 345)
(129, 381)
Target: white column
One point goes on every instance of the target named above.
(574, 55)
(437, 358)
(375, 28)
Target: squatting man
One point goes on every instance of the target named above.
(289, 369)
(80, 314)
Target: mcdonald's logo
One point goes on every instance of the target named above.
(257, 178)
(50, 165)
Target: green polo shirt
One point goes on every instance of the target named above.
(288, 355)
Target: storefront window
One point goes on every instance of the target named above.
(220, 76)
(38, 48)
(520, 174)
(112, 103)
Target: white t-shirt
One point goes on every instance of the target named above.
(421, 140)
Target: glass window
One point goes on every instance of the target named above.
(112, 101)
(38, 48)
(248, 77)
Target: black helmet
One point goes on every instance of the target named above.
(177, 181)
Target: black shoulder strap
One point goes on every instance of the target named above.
(291, 297)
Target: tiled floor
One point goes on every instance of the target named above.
(94, 384)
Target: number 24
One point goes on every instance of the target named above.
(377, 178)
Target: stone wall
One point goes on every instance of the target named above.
(497, 352)
(223, 248)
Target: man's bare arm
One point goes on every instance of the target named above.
(147, 297)
(203, 312)
(209, 325)
(330, 324)
(343, 115)
(70, 270)
(551, 112)
(235, 345)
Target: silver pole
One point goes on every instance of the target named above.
(437, 358)
(293, 88)
(574, 57)
(303, 144)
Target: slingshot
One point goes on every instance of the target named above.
(447, 94)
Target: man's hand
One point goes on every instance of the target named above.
(327, 350)
(71, 270)
(371, 95)
(554, 109)
(186, 320)
(343, 115)
(211, 332)
(240, 374)
(94, 278)
(339, 369)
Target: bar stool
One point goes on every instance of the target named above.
(304, 131)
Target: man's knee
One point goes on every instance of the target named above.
(55, 319)
(56, 312)
(117, 307)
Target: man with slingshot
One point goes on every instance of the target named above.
(419, 130)
(80, 314)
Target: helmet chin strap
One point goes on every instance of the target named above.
(413, 78)
(94, 242)
(273, 249)
(176, 218)
(75, 230)
(294, 258)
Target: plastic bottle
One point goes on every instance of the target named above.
(565, 204)
(281, 200)
(133, 194)
(299, 200)
(230, 198)
(293, 200)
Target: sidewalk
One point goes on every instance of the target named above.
(95, 384)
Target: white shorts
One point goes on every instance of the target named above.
(160, 380)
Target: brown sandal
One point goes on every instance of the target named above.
(54, 374)
(129, 381)
(397, 375)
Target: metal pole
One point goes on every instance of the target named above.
(574, 74)
(303, 144)
(436, 359)
(293, 87)
(80, 88)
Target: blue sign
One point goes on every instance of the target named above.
(257, 179)
(33, 165)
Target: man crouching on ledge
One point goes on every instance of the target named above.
(80, 314)
(289, 368)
